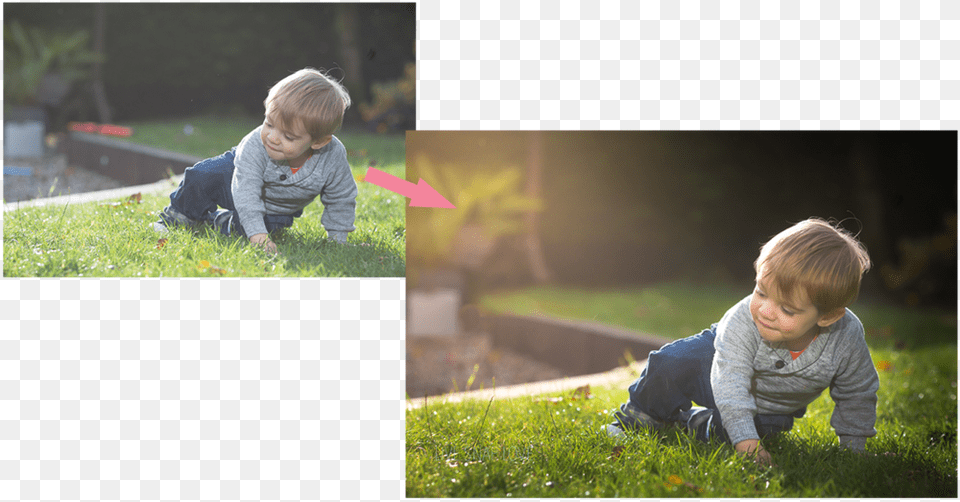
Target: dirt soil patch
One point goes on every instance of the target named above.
(50, 176)
(438, 366)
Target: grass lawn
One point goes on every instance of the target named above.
(113, 238)
(211, 135)
(550, 445)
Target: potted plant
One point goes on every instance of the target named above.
(40, 68)
(453, 245)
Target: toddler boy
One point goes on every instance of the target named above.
(277, 169)
(771, 354)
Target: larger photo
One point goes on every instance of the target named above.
(623, 314)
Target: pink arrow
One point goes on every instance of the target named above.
(421, 194)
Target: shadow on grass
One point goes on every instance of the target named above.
(311, 256)
(838, 472)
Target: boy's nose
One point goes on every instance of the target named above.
(766, 310)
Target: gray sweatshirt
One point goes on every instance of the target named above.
(746, 381)
(258, 189)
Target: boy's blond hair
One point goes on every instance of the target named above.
(826, 261)
(310, 98)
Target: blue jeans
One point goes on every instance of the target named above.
(678, 373)
(206, 186)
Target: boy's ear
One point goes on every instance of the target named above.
(322, 142)
(831, 317)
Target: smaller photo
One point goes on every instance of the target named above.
(640, 314)
(149, 140)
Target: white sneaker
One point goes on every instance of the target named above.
(613, 431)
(159, 227)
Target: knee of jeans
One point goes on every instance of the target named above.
(277, 221)
(773, 424)
(195, 172)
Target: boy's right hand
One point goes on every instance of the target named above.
(753, 449)
(263, 240)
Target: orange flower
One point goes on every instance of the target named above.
(884, 366)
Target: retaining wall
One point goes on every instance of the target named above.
(130, 163)
(589, 353)
(579, 347)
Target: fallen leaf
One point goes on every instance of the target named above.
(135, 198)
(617, 451)
(582, 392)
(205, 265)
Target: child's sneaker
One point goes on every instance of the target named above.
(613, 430)
(224, 221)
(698, 422)
(171, 217)
(633, 418)
(159, 227)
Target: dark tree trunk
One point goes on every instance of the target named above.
(531, 241)
(348, 26)
(99, 94)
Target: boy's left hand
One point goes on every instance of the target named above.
(263, 240)
(752, 449)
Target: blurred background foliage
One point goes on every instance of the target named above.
(490, 204)
(39, 65)
(625, 208)
(166, 60)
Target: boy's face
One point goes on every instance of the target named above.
(795, 322)
(291, 145)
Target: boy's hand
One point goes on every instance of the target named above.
(263, 240)
(753, 449)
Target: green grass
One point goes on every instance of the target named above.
(112, 238)
(550, 445)
(672, 310)
(212, 135)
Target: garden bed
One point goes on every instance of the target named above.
(438, 366)
(130, 163)
(82, 163)
(50, 176)
(507, 350)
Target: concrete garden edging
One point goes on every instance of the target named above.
(131, 163)
(80, 198)
(592, 352)
(144, 168)
(580, 347)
